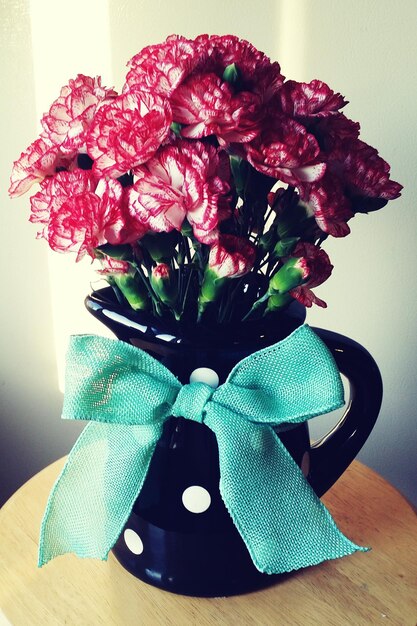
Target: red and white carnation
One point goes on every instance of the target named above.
(316, 268)
(206, 105)
(78, 212)
(304, 101)
(161, 68)
(70, 116)
(185, 180)
(257, 73)
(232, 256)
(111, 266)
(356, 179)
(327, 200)
(127, 132)
(39, 160)
(159, 159)
(365, 172)
(55, 191)
(286, 151)
(332, 132)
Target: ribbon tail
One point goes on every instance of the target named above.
(283, 523)
(95, 492)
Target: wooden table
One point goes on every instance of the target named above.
(378, 587)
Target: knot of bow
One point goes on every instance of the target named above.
(127, 396)
(191, 401)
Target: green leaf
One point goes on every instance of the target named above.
(231, 74)
(176, 128)
(186, 229)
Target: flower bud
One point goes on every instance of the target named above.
(230, 257)
(292, 274)
(111, 266)
(309, 267)
(210, 289)
(319, 270)
(164, 284)
(133, 290)
(121, 274)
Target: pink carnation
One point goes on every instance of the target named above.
(257, 74)
(127, 132)
(207, 106)
(79, 213)
(232, 256)
(333, 131)
(186, 180)
(160, 68)
(317, 268)
(365, 172)
(332, 209)
(55, 191)
(286, 151)
(309, 100)
(357, 179)
(70, 116)
(39, 160)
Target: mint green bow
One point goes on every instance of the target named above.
(128, 395)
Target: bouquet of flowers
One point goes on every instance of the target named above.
(204, 191)
(206, 188)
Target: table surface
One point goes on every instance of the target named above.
(376, 587)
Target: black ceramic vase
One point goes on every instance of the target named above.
(179, 536)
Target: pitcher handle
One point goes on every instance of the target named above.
(333, 453)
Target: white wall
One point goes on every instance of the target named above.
(365, 49)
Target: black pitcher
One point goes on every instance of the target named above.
(179, 536)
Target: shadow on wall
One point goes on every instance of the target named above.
(365, 54)
(136, 25)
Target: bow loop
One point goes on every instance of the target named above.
(191, 401)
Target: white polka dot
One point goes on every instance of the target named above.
(133, 541)
(205, 375)
(196, 499)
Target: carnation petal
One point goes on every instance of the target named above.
(127, 132)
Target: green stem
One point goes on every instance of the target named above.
(184, 300)
(228, 308)
(187, 249)
(155, 305)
